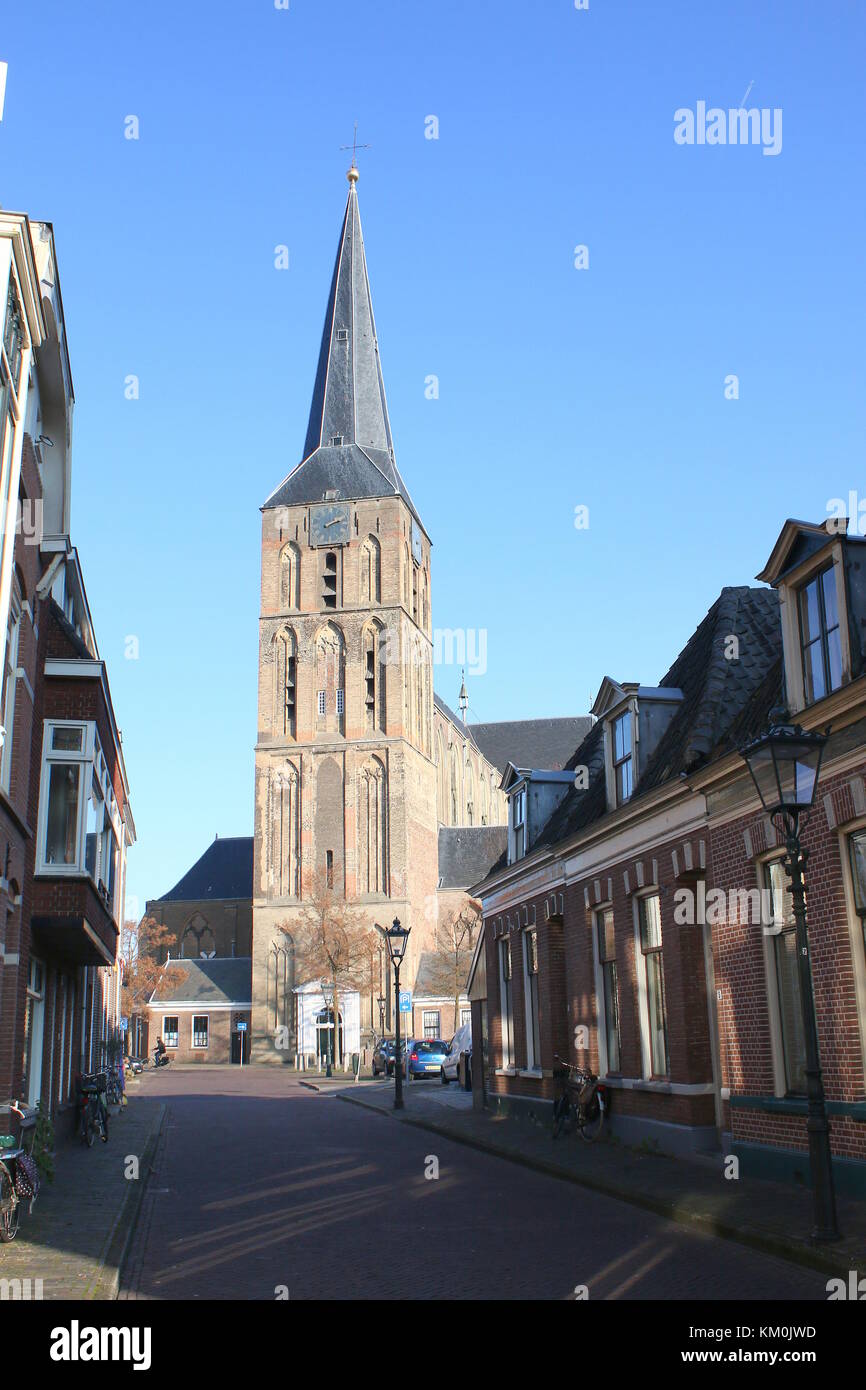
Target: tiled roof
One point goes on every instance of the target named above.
(535, 743)
(467, 852)
(225, 870)
(349, 394)
(724, 700)
(222, 980)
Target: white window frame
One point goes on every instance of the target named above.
(653, 891)
(600, 1000)
(533, 1062)
(855, 927)
(517, 828)
(8, 712)
(771, 988)
(90, 760)
(789, 608)
(428, 1014)
(507, 1033)
(197, 1046)
(175, 1032)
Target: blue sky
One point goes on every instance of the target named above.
(559, 387)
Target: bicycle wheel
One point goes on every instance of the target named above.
(10, 1215)
(89, 1128)
(590, 1121)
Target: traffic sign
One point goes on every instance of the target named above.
(405, 1001)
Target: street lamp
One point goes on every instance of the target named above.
(397, 938)
(784, 764)
(381, 1002)
(328, 996)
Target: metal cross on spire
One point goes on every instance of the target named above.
(352, 175)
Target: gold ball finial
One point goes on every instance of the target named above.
(353, 175)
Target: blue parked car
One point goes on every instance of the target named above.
(426, 1056)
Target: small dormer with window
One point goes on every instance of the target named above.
(533, 795)
(819, 572)
(635, 717)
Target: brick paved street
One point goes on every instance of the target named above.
(260, 1182)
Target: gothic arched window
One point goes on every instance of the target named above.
(455, 774)
(331, 680)
(371, 571)
(372, 828)
(374, 649)
(290, 577)
(485, 800)
(285, 688)
(285, 855)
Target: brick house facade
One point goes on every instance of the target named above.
(632, 936)
(64, 801)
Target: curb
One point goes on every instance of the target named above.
(794, 1251)
(105, 1289)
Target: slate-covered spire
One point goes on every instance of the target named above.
(348, 447)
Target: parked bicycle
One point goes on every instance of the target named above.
(19, 1178)
(93, 1109)
(582, 1099)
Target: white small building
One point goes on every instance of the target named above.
(315, 1016)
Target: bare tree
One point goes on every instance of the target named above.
(454, 944)
(334, 944)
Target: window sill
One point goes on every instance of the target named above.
(505, 1071)
(534, 1073)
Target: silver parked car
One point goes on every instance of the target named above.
(461, 1042)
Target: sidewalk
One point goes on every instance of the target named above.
(772, 1217)
(75, 1240)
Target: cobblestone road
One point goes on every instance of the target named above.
(261, 1184)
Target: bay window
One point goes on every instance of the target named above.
(81, 830)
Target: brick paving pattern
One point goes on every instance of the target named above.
(261, 1183)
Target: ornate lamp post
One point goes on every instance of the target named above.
(784, 764)
(328, 996)
(381, 1002)
(397, 937)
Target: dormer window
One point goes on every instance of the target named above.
(820, 636)
(623, 770)
(517, 837)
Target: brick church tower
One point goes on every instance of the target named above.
(345, 773)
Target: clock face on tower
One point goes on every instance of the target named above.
(329, 524)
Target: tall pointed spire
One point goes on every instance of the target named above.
(348, 447)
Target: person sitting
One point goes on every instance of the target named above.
(160, 1047)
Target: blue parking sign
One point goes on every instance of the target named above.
(405, 1001)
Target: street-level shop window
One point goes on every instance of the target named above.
(787, 978)
(649, 910)
(199, 1030)
(169, 1030)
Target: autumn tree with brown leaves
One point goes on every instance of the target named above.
(142, 946)
(334, 944)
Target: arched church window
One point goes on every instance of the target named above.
(374, 657)
(407, 565)
(441, 779)
(372, 828)
(469, 787)
(197, 939)
(285, 856)
(485, 800)
(371, 579)
(290, 577)
(330, 680)
(285, 702)
(455, 774)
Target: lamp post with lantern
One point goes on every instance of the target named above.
(397, 937)
(784, 764)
